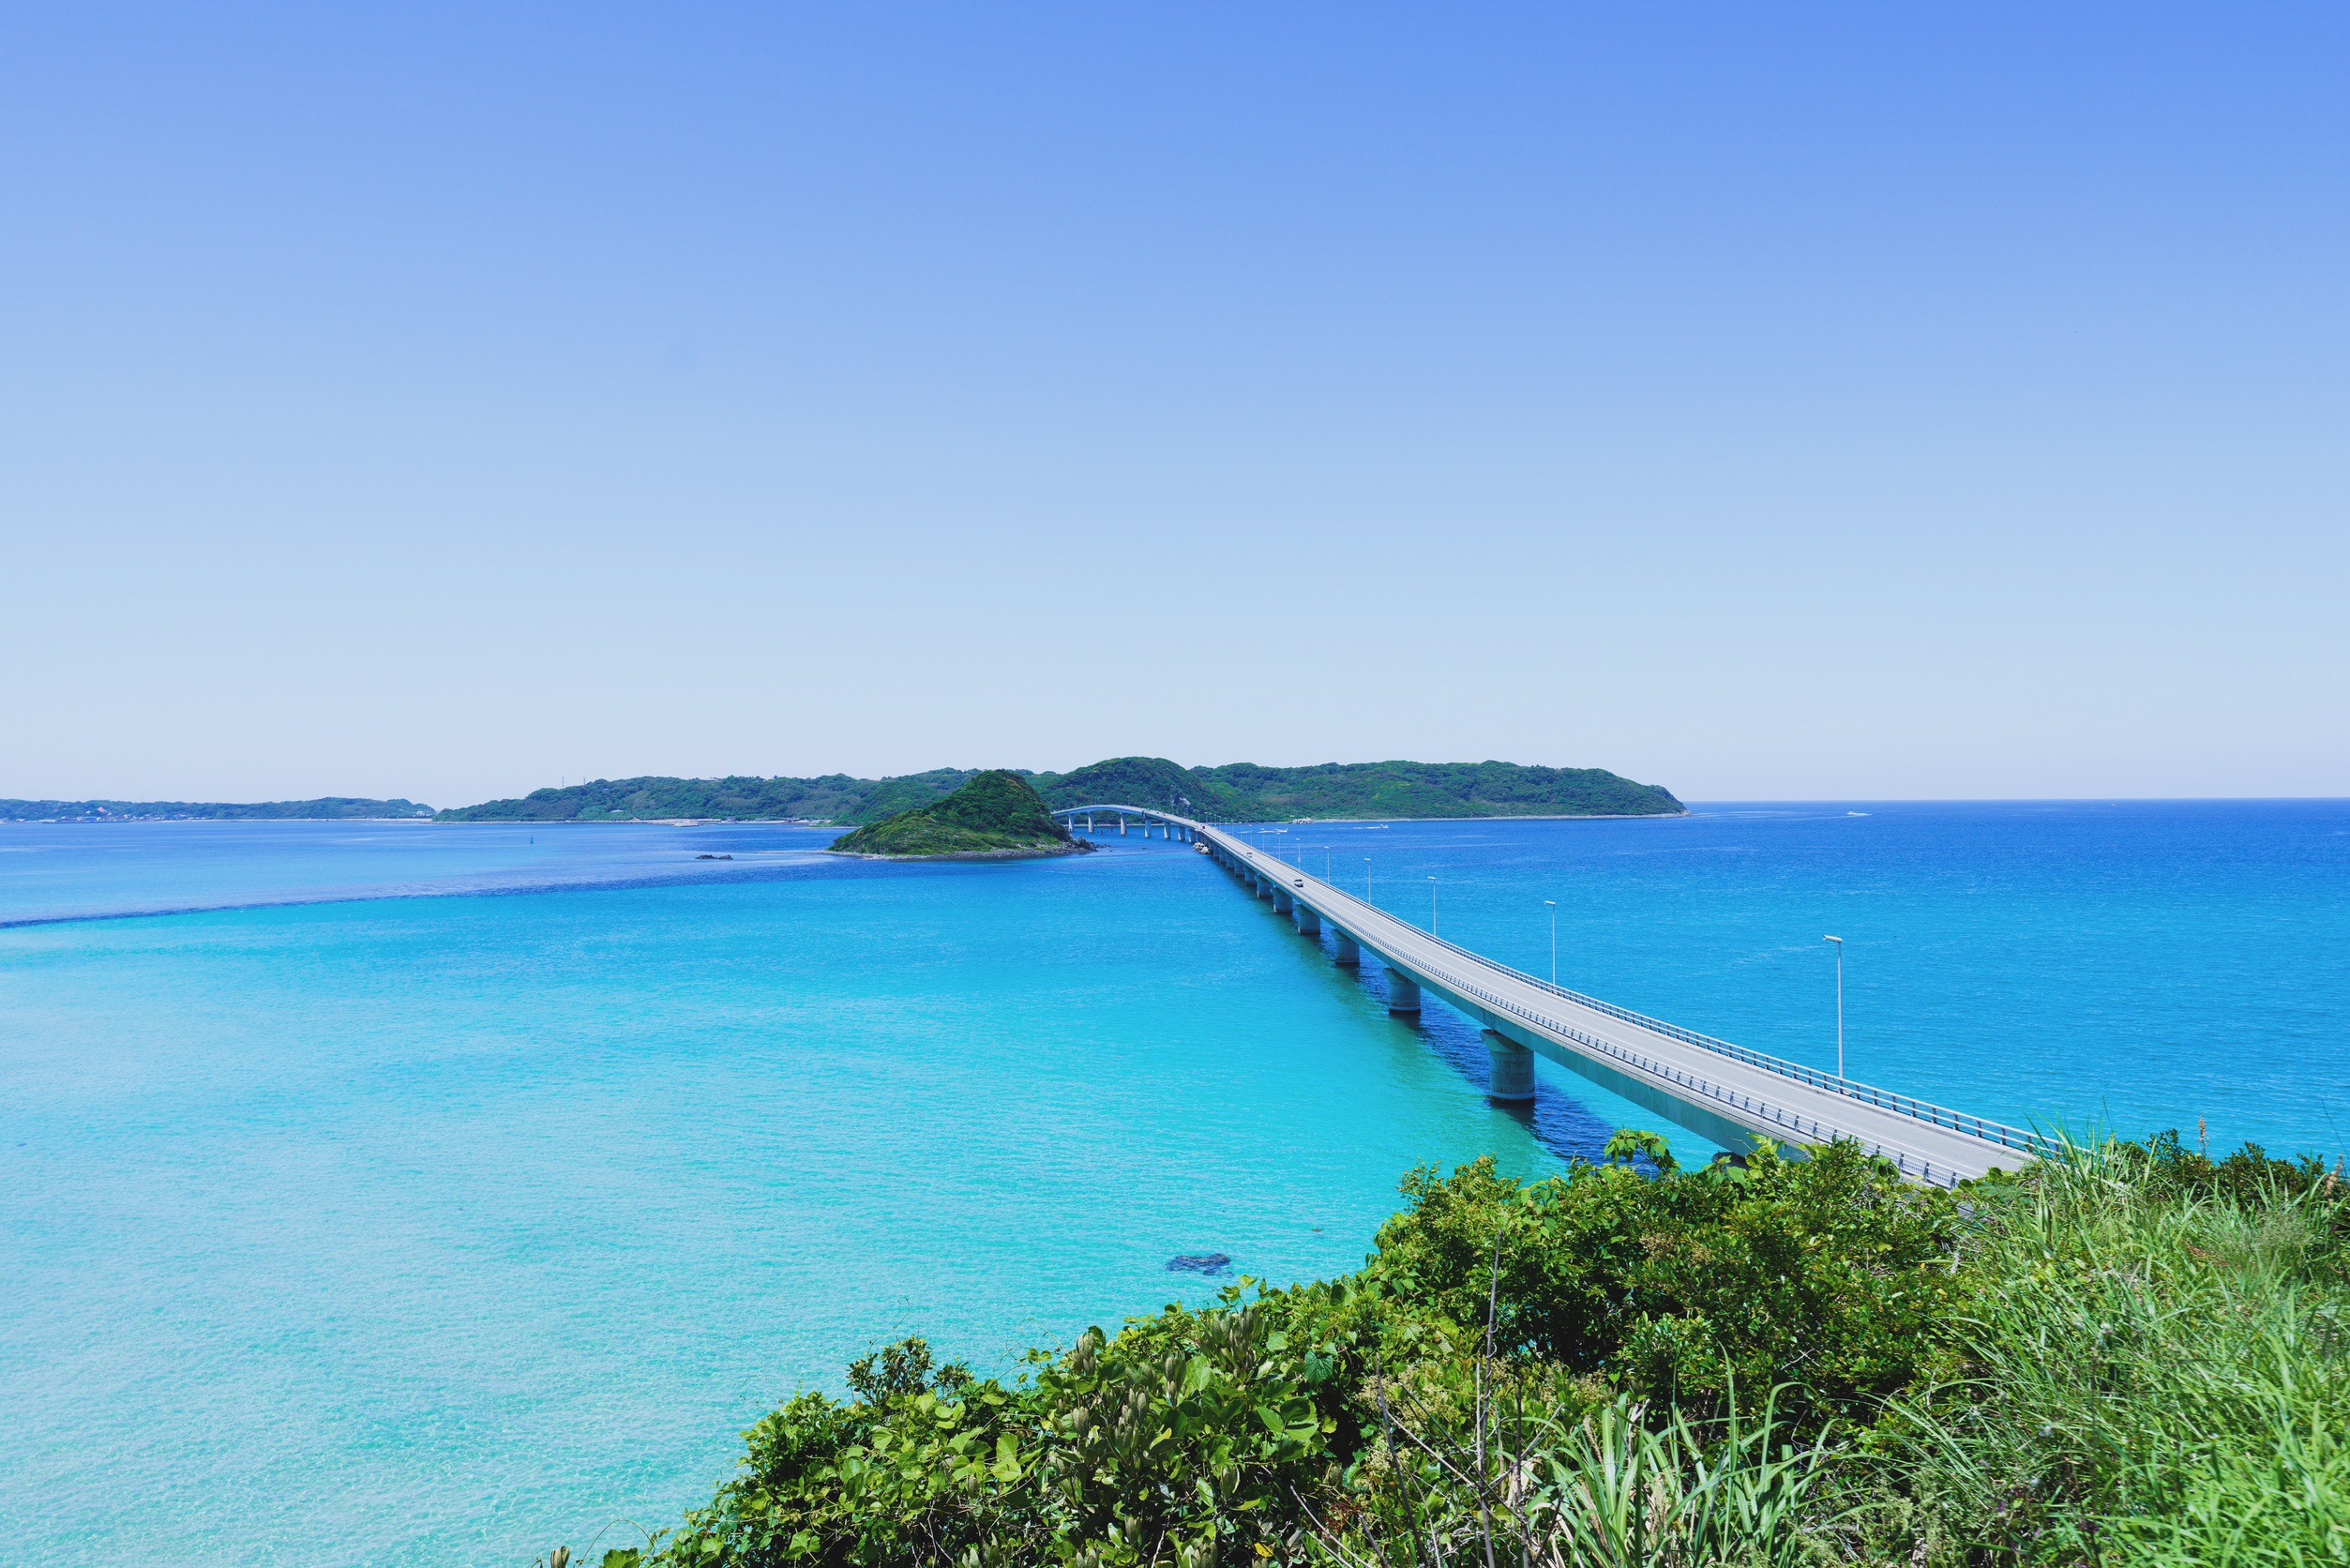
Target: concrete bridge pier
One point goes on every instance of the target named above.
(1282, 902)
(1264, 888)
(1512, 1078)
(1122, 824)
(1309, 921)
(1350, 954)
(1403, 991)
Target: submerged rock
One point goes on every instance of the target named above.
(1199, 1262)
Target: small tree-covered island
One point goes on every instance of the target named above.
(997, 816)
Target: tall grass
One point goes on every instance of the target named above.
(2144, 1373)
(1622, 1494)
(1624, 1487)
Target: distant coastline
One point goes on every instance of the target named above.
(336, 808)
(1456, 817)
(1231, 793)
(1234, 793)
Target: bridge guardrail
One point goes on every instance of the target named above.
(1793, 1121)
(1981, 1128)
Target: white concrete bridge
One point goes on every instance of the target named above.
(1726, 1094)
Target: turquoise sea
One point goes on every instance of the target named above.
(437, 1195)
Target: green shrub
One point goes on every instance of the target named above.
(1822, 1274)
(1187, 1430)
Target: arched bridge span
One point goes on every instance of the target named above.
(1145, 818)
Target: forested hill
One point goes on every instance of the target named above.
(834, 797)
(1236, 791)
(328, 809)
(1244, 792)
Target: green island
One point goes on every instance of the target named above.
(997, 816)
(2130, 1354)
(1234, 793)
(326, 808)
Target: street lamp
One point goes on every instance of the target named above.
(1840, 1002)
(1431, 906)
(1366, 881)
(1553, 906)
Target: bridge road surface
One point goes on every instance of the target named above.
(1731, 1096)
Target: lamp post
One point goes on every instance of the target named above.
(1366, 882)
(1431, 906)
(1840, 1002)
(1552, 905)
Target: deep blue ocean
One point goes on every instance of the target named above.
(439, 1195)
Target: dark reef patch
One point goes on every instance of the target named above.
(1199, 1263)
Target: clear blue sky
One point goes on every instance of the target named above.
(1875, 401)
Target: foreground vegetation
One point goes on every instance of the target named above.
(2134, 1355)
(1238, 793)
(996, 814)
